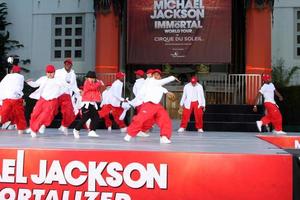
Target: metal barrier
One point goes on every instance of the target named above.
(221, 88)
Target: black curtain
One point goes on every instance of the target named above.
(238, 37)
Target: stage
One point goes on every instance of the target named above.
(207, 142)
(206, 166)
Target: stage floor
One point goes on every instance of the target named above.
(209, 142)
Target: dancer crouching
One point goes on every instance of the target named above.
(153, 110)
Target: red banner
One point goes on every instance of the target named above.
(283, 142)
(124, 175)
(179, 31)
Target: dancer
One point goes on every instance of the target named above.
(67, 109)
(115, 101)
(137, 102)
(46, 107)
(153, 110)
(139, 82)
(91, 95)
(9, 125)
(11, 95)
(273, 114)
(192, 100)
(106, 107)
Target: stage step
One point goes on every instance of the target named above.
(231, 117)
(225, 108)
(238, 118)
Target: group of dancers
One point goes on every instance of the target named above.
(58, 90)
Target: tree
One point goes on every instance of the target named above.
(6, 44)
(282, 76)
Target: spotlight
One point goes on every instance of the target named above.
(10, 60)
(13, 60)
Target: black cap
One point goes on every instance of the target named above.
(91, 74)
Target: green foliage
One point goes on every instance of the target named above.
(6, 44)
(167, 69)
(282, 76)
(202, 68)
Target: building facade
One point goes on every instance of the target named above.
(52, 30)
(286, 35)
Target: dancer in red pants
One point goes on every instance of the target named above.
(46, 107)
(192, 100)
(273, 114)
(153, 110)
(67, 75)
(106, 107)
(139, 82)
(115, 101)
(11, 94)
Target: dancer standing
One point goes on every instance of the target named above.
(67, 75)
(192, 100)
(90, 97)
(273, 114)
(11, 95)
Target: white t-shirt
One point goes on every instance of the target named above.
(267, 90)
(192, 93)
(11, 86)
(116, 93)
(70, 79)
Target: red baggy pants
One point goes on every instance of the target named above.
(148, 112)
(67, 110)
(198, 113)
(273, 116)
(116, 113)
(13, 110)
(43, 113)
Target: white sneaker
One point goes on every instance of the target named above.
(259, 125)
(20, 132)
(63, 129)
(93, 134)
(88, 123)
(268, 128)
(33, 134)
(28, 131)
(180, 130)
(127, 138)
(123, 130)
(142, 134)
(279, 132)
(109, 129)
(11, 127)
(5, 125)
(76, 134)
(200, 130)
(164, 140)
(42, 129)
